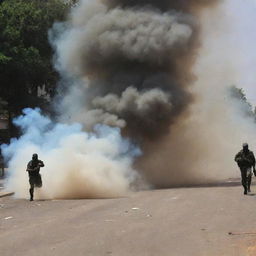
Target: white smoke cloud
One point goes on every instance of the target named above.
(77, 164)
(239, 36)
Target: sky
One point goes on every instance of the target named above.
(240, 42)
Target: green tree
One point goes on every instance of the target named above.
(25, 53)
(239, 94)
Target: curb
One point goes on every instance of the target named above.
(3, 194)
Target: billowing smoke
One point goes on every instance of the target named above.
(159, 72)
(136, 59)
(77, 164)
(200, 148)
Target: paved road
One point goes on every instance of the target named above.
(174, 222)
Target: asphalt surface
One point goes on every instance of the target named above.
(175, 222)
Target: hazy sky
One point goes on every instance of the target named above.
(241, 41)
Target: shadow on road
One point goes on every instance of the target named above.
(251, 194)
(227, 183)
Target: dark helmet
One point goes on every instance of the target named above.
(245, 146)
(34, 157)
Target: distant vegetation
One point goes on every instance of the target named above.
(246, 107)
(25, 54)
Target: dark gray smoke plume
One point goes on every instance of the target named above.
(184, 5)
(136, 57)
(133, 61)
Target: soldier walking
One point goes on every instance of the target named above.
(33, 170)
(246, 161)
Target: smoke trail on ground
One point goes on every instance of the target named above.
(77, 164)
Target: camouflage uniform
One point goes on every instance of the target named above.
(245, 161)
(33, 169)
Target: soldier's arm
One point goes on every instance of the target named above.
(29, 168)
(237, 156)
(41, 163)
(253, 161)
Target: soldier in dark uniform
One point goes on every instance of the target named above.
(33, 170)
(246, 161)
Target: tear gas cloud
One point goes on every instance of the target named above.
(77, 164)
(159, 71)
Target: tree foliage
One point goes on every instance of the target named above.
(25, 53)
(246, 107)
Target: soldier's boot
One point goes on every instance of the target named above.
(31, 191)
(249, 184)
(245, 190)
